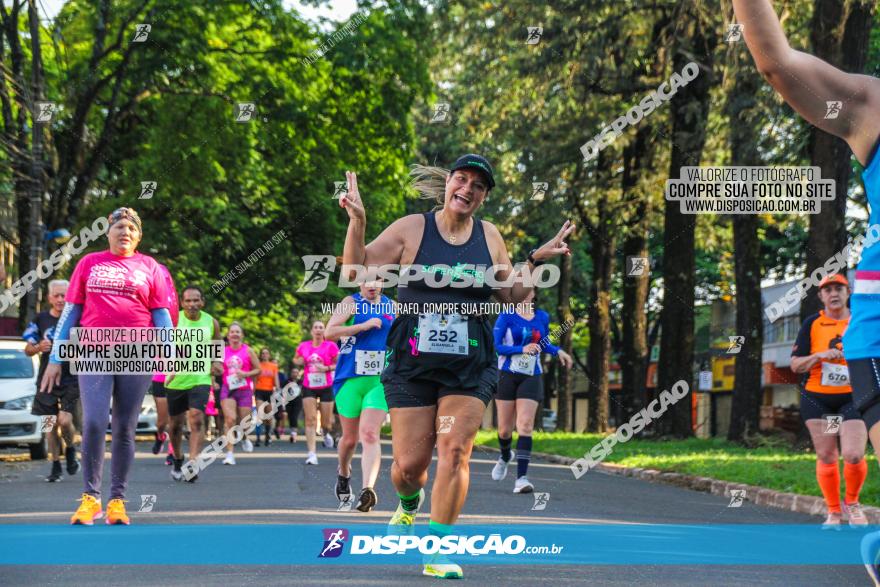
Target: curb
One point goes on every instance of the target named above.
(793, 502)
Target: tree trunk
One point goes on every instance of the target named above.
(839, 34)
(602, 254)
(37, 183)
(563, 312)
(634, 320)
(690, 111)
(745, 117)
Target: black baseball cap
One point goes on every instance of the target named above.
(478, 162)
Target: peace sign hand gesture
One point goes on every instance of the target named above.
(557, 245)
(351, 201)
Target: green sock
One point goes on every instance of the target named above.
(438, 529)
(410, 503)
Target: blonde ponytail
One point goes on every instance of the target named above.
(430, 182)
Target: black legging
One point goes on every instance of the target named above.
(294, 408)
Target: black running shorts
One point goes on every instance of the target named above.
(415, 379)
(62, 397)
(181, 400)
(514, 386)
(815, 406)
(864, 377)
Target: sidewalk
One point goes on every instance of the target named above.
(805, 504)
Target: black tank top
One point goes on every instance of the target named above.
(436, 256)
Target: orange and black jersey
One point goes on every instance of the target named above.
(819, 333)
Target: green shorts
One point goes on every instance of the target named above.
(359, 393)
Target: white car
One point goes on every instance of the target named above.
(18, 386)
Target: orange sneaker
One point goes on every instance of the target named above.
(88, 511)
(116, 512)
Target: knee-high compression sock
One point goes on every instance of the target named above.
(504, 444)
(828, 476)
(523, 455)
(854, 475)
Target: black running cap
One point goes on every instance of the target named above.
(471, 161)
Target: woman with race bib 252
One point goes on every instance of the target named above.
(361, 323)
(520, 338)
(441, 369)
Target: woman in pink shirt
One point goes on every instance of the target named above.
(116, 288)
(319, 358)
(240, 365)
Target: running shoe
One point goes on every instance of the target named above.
(833, 521)
(293, 437)
(367, 500)
(402, 522)
(257, 443)
(230, 459)
(499, 471)
(247, 445)
(277, 433)
(169, 460)
(343, 488)
(440, 567)
(72, 461)
(176, 473)
(855, 514)
(88, 511)
(159, 442)
(328, 441)
(523, 485)
(312, 459)
(116, 512)
(55, 475)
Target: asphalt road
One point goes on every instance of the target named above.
(273, 485)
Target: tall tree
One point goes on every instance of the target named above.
(695, 41)
(742, 85)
